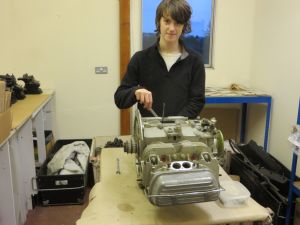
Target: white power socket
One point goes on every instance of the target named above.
(101, 70)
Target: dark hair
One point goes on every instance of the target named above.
(178, 10)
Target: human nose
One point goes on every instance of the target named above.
(172, 26)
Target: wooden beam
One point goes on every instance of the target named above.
(124, 57)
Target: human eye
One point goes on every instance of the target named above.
(166, 20)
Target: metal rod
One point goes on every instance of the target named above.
(153, 113)
(163, 113)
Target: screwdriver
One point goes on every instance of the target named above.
(153, 113)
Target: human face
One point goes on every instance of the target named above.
(170, 30)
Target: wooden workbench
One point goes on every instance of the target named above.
(22, 110)
(118, 200)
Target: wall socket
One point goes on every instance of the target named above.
(101, 70)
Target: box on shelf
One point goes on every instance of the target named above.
(6, 123)
(49, 142)
(62, 189)
(227, 120)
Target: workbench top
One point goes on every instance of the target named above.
(24, 109)
(118, 200)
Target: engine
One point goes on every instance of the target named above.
(176, 158)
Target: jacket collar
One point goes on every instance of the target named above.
(185, 52)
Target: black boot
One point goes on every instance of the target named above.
(31, 84)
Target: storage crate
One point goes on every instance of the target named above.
(61, 189)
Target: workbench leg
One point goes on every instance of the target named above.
(7, 206)
(38, 123)
(268, 116)
(243, 122)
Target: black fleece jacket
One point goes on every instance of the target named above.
(182, 89)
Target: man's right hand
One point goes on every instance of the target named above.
(144, 97)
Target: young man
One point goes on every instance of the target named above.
(168, 73)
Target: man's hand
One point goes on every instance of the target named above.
(144, 97)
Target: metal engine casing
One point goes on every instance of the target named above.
(176, 158)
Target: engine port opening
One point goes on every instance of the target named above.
(186, 165)
(176, 166)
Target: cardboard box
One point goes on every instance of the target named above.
(227, 120)
(5, 124)
(49, 142)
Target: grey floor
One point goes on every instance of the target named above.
(56, 215)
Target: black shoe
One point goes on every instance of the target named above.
(31, 84)
(19, 92)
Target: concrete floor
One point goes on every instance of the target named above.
(56, 215)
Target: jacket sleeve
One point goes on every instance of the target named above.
(196, 99)
(125, 93)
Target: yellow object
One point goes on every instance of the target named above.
(6, 123)
(237, 87)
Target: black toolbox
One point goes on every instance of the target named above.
(62, 189)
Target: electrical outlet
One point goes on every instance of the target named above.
(101, 70)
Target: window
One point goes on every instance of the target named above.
(200, 39)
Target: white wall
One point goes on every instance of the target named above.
(276, 69)
(60, 43)
(232, 43)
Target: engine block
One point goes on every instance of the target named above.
(176, 158)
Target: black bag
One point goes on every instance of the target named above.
(268, 165)
(265, 178)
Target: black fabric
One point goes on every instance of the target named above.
(263, 189)
(181, 89)
(258, 155)
(264, 161)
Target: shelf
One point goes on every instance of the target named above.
(227, 96)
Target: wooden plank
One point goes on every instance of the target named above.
(2, 96)
(23, 109)
(124, 57)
